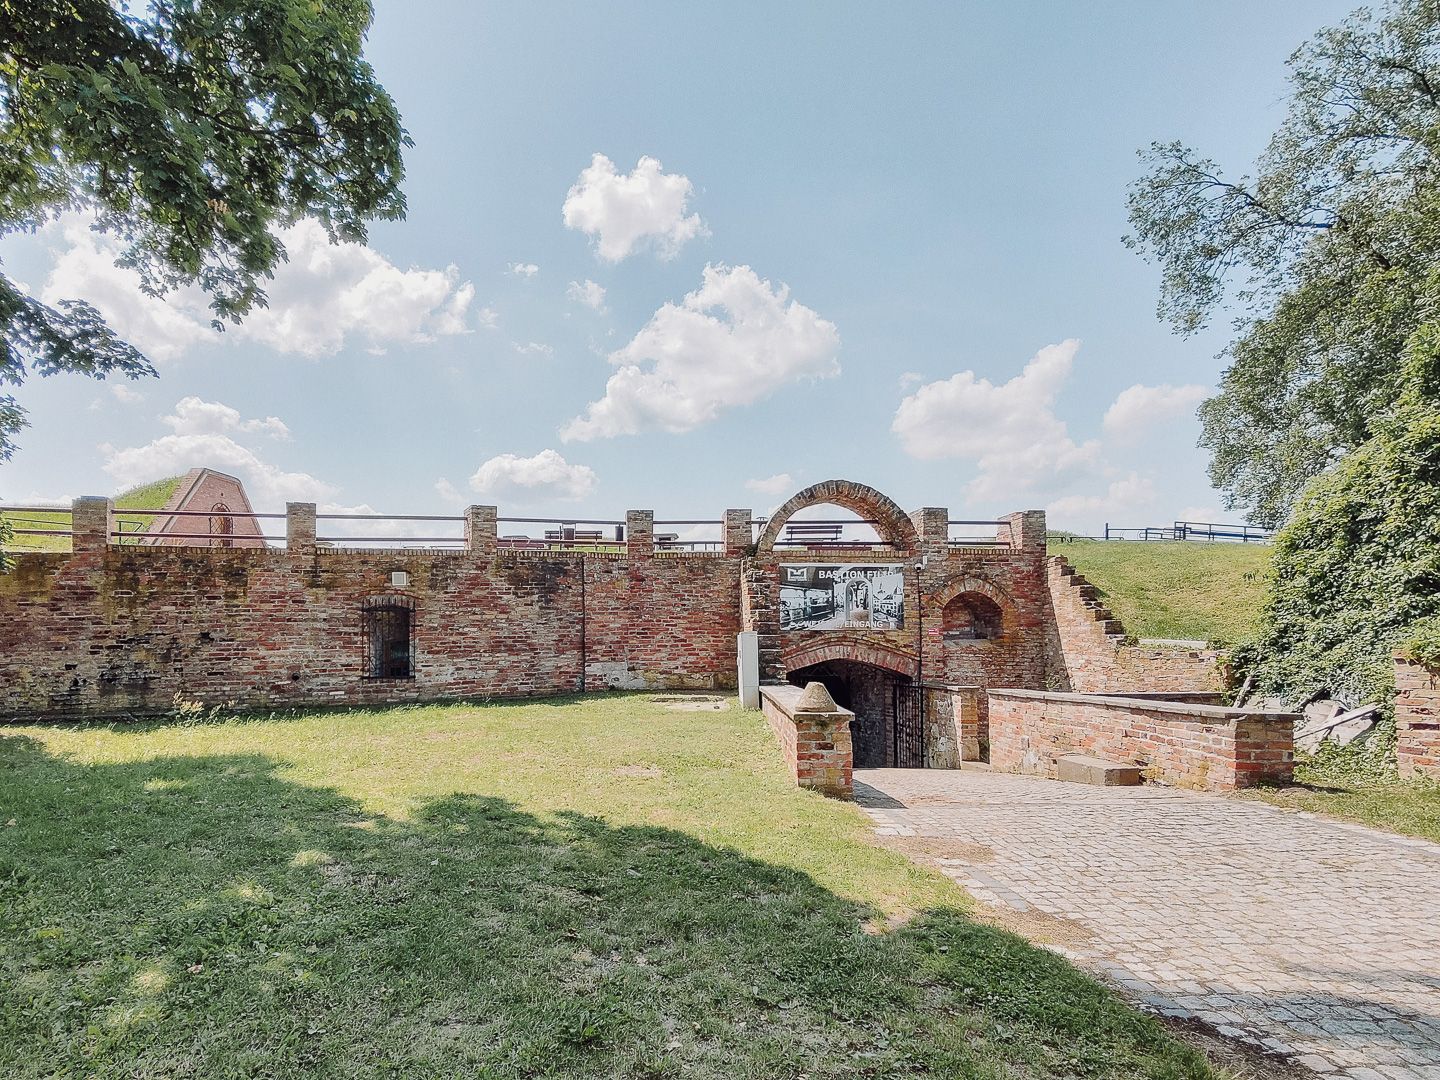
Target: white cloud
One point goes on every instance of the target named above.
(523, 270)
(1009, 431)
(772, 485)
(267, 484)
(450, 493)
(735, 340)
(625, 212)
(534, 348)
(588, 292)
(123, 394)
(546, 474)
(487, 318)
(910, 378)
(1140, 408)
(204, 437)
(193, 416)
(1129, 502)
(326, 296)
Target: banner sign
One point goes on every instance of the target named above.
(831, 596)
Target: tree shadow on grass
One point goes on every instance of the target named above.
(204, 916)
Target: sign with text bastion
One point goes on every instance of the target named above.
(841, 596)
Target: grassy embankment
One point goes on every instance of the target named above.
(1193, 591)
(151, 496)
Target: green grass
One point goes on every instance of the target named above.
(1410, 808)
(152, 496)
(1206, 592)
(581, 889)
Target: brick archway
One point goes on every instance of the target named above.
(891, 522)
(938, 598)
(860, 652)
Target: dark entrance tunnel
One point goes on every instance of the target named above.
(888, 729)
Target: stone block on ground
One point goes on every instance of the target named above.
(1079, 769)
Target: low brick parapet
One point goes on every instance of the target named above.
(814, 736)
(1206, 747)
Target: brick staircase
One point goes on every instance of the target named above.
(1083, 597)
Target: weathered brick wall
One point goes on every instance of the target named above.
(1417, 718)
(118, 629)
(1194, 746)
(815, 742)
(1095, 655)
(1013, 575)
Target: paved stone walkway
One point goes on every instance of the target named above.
(1316, 939)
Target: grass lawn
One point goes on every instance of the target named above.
(602, 888)
(1209, 592)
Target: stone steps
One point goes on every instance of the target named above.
(1080, 769)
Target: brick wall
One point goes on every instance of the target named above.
(114, 629)
(1187, 745)
(1096, 657)
(814, 737)
(1417, 718)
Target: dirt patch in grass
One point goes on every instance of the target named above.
(1036, 926)
(939, 847)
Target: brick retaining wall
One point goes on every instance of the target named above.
(116, 629)
(1096, 653)
(1187, 745)
(815, 742)
(1417, 718)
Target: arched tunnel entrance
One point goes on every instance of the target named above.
(888, 731)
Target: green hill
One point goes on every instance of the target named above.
(1209, 592)
(152, 496)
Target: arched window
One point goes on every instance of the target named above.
(387, 624)
(971, 616)
(222, 526)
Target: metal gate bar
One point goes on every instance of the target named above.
(907, 728)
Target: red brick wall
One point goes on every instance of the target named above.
(1194, 746)
(126, 628)
(1417, 718)
(1096, 657)
(816, 746)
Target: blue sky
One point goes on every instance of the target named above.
(881, 242)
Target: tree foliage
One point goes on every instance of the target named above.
(189, 133)
(1322, 254)
(1356, 570)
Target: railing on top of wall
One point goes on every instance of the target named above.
(1002, 536)
(639, 531)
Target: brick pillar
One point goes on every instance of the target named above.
(738, 537)
(1417, 718)
(481, 530)
(932, 526)
(967, 721)
(1027, 530)
(300, 528)
(90, 524)
(640, 532)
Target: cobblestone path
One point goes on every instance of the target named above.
(1317, 939)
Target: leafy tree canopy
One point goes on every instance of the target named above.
(190, 132)
(1356, 571)
(1321, 255)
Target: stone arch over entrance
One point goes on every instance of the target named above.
(891, 522)
(970, 585)
(860, 652)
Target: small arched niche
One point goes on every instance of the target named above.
(971, 616)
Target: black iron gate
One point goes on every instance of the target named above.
(907, 727)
